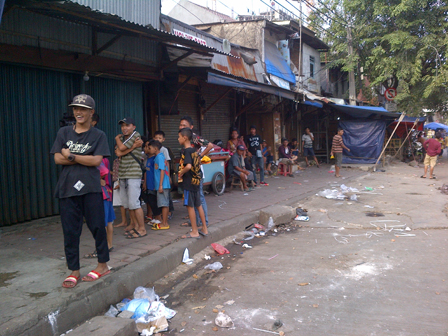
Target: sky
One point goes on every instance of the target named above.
(241, 7)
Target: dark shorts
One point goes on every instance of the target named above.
(109, 211)
(308, 152)
(269, 159)
(150, 198)
(338, 157)
(192, 198)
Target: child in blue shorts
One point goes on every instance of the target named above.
(162, 183)
(106, 182)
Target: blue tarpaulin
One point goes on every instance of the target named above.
(276, 65)
(367, 112)
(435, 126)
(364, 138)
(2, 5)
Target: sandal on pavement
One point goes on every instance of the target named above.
(130, 232)
(92, 255)
(93, 276)
(422, 176)
(186, 224)
(138, 235)
(432, 178)
(73, 281)
(157, 226)
(202, 233)
(190, 236)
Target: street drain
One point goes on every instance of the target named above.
(374, 214)
(413, 194)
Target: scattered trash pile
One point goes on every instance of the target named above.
(150, 314)
(340, 194)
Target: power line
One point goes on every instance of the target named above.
(317, 27)
(332, 11)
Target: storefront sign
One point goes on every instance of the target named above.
(189, 37)
(391, 107)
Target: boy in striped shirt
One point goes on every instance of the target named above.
(336, 150)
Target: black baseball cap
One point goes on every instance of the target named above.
(241, 147)
(127, 120)
(83, 100)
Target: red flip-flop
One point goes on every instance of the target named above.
(93, 276)
(70, 278)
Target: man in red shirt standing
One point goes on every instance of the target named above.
(433, 149)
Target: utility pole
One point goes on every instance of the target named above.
(300, 54)
(351, 74)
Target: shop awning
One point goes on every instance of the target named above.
(365, 112)
(435, 126)
(214, 78)
(276, 65)
(313, 103)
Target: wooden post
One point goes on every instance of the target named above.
(398, 123)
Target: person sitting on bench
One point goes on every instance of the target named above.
(237, 168)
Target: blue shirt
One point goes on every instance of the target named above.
(161, 165)
(150, 183)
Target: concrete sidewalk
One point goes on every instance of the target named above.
(33, 267)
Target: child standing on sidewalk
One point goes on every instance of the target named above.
(169, 157)
(190, 178)
(162, 183)
(149, 185)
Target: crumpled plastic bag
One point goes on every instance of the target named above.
(223, 320)
(186, 257)
(146, 293)
(331, 194)
(219, 249)
(138, 306)
(216, 266)
(156, 310)
(112, 312)
(271, 224)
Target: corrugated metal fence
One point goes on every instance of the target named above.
(32, 101)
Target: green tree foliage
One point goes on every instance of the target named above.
(402, 38)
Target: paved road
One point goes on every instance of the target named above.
(32, 270)
(342, 273)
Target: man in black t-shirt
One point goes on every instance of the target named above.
(79, 149)
(254, 146)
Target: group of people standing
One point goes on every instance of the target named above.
(251, 154)
(84, 188)
(85, 185)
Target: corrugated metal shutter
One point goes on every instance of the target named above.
(216, 122)
(187, 105)
(115, 100)
(30, 110)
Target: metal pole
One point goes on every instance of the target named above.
(351, 74)
(300, 54)
(158, 107)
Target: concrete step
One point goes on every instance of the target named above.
(106, 326)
